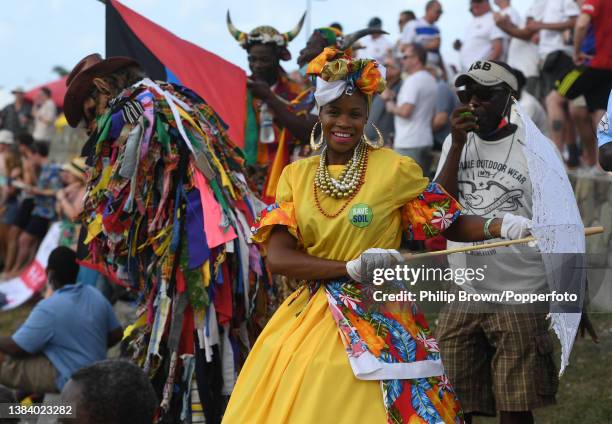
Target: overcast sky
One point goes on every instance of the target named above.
(36, 35)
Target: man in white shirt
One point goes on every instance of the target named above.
(415, 108)
(44, 114)
(375, 46)
(522, 52)
(425, 32)
(483, 40)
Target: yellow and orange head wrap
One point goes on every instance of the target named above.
(337, 73)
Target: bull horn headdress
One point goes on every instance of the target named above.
(349, 39)
(264, 34)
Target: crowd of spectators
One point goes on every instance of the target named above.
(52, 348)
(34, 191)
(561, 53)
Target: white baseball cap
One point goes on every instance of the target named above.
(487, 73)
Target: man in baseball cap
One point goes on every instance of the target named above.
(486, 90)
(16, 116)
(483, 166)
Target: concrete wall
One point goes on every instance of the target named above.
(594, 197)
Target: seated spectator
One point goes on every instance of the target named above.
(110, 392)
(23, 175)
(71, 329)
(69, 200)
(8, 199)
(378, 112)
(532, 106)
(44, 114)
(6, 145)
(43, 213)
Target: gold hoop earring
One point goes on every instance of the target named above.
(379, 142)
(313, 144)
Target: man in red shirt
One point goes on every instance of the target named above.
(594, 75)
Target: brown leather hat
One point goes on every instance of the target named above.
(80, 82)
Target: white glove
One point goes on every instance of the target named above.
(371, 259)
(515, 227)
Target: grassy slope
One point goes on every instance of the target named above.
(585, 395)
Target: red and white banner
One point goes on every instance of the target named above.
(33, 279)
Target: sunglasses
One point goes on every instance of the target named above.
(484, 94)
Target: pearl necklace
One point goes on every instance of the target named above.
(348, 181)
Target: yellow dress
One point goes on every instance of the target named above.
(298, 370)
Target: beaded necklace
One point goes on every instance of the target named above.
(348, 183)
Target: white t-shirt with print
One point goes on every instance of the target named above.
(494, 180)
(419, 89)
(477, 42)
(553, 11)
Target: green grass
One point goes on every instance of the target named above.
(585, 395)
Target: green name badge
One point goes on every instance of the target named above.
(360, 215)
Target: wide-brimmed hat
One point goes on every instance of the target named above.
(6, 137)
(76, 167)
(80, 82)
(18, 90)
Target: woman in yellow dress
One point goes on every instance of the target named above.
(322, 358)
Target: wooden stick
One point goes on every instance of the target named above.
(589, 231)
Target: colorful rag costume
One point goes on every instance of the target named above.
(168, 214)
(297, 371)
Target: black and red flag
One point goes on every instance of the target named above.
(166, 57)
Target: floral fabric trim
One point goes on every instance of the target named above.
(394, 336)
(430, 213)
(276, 214)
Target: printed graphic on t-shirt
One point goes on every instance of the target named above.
(490, 187)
